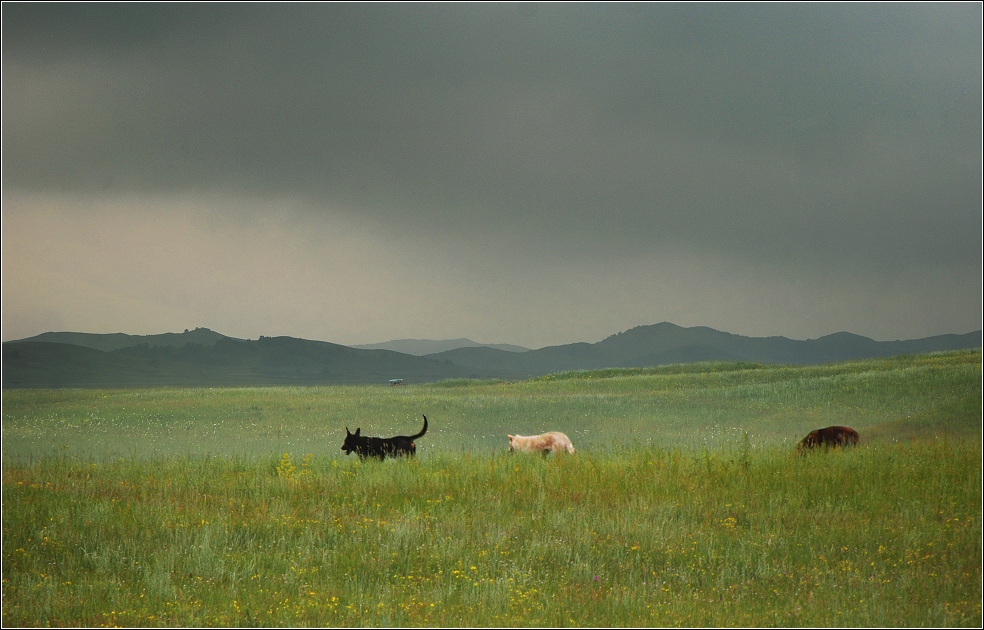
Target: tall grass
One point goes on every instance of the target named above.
(685, 504)
(884, 535)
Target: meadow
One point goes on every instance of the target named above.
(684, 505)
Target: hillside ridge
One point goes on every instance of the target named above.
(420, 347)
(204, 358)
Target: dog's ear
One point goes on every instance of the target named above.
(347, 432)
(357, 431)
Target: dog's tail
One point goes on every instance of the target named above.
(422, 432)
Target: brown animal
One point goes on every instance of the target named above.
(830, 436)
(554, 441)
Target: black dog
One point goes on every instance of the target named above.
(381, 447)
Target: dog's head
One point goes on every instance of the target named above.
(353, 441)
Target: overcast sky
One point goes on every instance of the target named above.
(514, 173)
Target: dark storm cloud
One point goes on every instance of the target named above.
(48, 32)
(834, 136)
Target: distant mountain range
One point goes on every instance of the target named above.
(666, 343)
(222, 362)
(203, 358)
(421, 347)
(115, 341)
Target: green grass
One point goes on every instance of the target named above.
(235, 507)
(688, 406)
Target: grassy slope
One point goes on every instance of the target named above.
(692, 406)
(693, 527)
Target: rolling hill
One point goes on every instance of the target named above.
(665, 343)
(421, 347)
(203, 358)
(227, 362)
(115, 341)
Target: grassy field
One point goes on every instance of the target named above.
(684, 505)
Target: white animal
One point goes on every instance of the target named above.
(553, 441)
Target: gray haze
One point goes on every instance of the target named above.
(522, 173)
